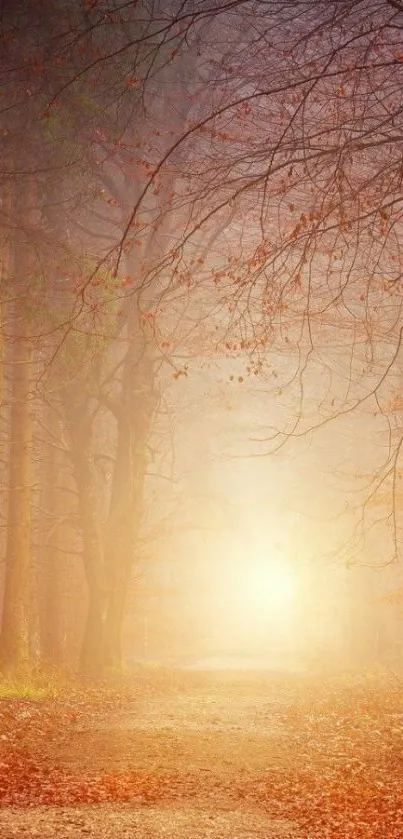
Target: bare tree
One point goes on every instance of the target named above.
(226, 177)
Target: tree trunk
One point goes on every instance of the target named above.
(14, 639)
(52, 611)
(137, 406)
(93, 645)
(92, 657)
(114, 620)
(5, 265)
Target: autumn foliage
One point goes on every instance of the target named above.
(332, 748)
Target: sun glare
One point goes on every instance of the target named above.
(268, 585)
(254, 599)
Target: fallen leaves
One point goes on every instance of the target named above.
(27, 783)
(344, 783)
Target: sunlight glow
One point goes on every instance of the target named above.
(270, 585)
(253, 599)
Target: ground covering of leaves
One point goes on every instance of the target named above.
(229, 755)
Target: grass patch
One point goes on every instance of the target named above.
(23, 690)
(30, 686)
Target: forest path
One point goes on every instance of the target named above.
(224, 755)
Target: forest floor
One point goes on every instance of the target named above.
(184, 755)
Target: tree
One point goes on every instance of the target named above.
(103, 357)
(123, 381)
(252, 209)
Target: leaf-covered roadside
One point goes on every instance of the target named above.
(343, 778)
(349, 735)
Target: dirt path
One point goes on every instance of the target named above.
(185, 738)
(191, 755)
(164, 821)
